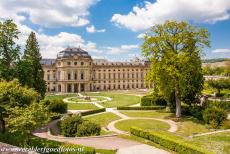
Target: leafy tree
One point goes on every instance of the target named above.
(32, 58)
(13, 94)
(25, 120)
(219, 84)
(174, 49)
(9, 51)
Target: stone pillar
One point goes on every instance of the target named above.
(72, 88)
(79, 87)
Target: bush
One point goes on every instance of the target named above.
(220, 104)
(214, 116)
(92, 111)
(69, 125)
(18, 139)
(88, 128)
(194, 110)
(75, 126)
(141, 108)
(56, 106)
(153, 100)
(169, 142)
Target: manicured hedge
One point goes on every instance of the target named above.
(140, 107)
(173, 144)
(18, 140)
(152, 100)
(92, 111)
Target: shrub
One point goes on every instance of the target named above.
(69, 125)
(220, 104)
(92, 111)
(88, 128)
(153, 100)
(140, 107)
(214, 116)
(169, 142)
(76, 126)
(56, 106)
(17, 139)
(193, 110)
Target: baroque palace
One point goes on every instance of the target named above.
(75, 71)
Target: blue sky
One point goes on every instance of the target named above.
(112, 28)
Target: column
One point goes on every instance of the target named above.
(79, 87)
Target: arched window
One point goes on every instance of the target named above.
(82, 76)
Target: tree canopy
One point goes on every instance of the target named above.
(174, 50)
(9, 50)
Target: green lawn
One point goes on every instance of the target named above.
(102, 119)
(51, 97)
(81, 106)
(147, 114)
(117, 99)
(145, 124)
(189, 126)
(218, 143)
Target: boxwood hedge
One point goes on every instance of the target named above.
(174, 144)
(140, 107)
(92, 111)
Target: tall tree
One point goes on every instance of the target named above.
(174, 49)
(32, 58)
(9, 51)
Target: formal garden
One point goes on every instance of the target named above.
(183, 113)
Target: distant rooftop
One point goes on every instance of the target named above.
(48, 62)
(70, 52)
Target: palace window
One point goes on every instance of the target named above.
(75, 76)
(82, 76)
(68, 63)
(75, 63)
(48, 77)
(69, 76)
(82, 63)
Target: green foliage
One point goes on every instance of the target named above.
(169, 142)
(13, 94)
(153, 100)
(214, 116)
(208, 70)
(219, 84)
(33, 57)
(57, 106)
(25, 120)
(174, 50)
(9, 51)
(18, 139)
(92, 111)
(75, 126)
(69, 125)
(220, 104)
(141, 108)
(88, 128)
(193, 110)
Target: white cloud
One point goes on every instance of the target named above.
(92, 29)
(221, 51)
(141, 18)
(48, 13)
(51, 45)
(121, 50)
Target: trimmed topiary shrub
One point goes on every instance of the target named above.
(193, 110)
(153, 100)
(215, 116)
(92, 111)
(169, 142)
(141, 108)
